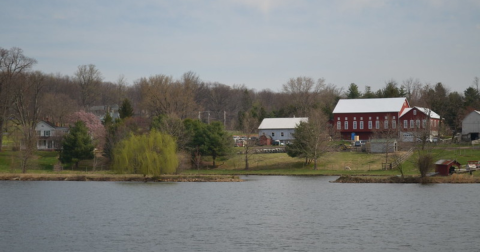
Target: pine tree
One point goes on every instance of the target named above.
(77, 145)
(126, 109)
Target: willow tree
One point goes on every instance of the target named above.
(149, 154)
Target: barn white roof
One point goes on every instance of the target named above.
(281, 123)
(372, 105)
(425, 111)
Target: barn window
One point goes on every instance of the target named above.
(394, 124)
(424, 123)
(339, 125)
(385, 124)
(369, 124)
(405, 124)
(355, 125)
(361, 124)
(377, 125)
(346, 125)
(281, 134)
(414, 112)
(273, 134)
(418, 124)
(412, 124)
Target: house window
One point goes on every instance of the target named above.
(46, 133)
(412, 124)
(346, 125)
(377, 125)
(273, 134)
(405, 124)
(361, 124)
(281, 134)
(418, 124)
(339, 125)
(369, 124)
(355, 125)
(385, 124)
(394, 124)
(38, 132)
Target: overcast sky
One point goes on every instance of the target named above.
(259, 43)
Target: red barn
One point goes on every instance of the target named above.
(419, 122)
(363, 117)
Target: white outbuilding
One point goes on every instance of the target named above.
(471, 126)
(280, 128)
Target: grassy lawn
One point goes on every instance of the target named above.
(332, 163)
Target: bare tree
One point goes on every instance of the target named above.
(249, 126)
(26, 106)
(304, 93)
(12, 64)
(387, 131)
(88, 78)
(161, 95)
(413, 90)
(310, 139)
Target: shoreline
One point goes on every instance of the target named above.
(452, 179)
(117, 177)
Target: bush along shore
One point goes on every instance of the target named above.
(118, 177)
(455, 178)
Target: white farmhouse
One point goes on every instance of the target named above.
(49, 135)
(280, 128)
(471, 126)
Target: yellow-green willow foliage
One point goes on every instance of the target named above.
(150, 154)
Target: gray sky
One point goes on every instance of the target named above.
(259, 43)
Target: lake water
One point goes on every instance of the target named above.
(273, 213)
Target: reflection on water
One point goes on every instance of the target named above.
(261, 214)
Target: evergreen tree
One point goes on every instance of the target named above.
(108, 120)
(208, 139)
(353, 92)
(77, 145)
(126, 109)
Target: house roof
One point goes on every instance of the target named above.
(281, 123)
(51, 125)
(423, 110)
(446, 162)
(372, 105)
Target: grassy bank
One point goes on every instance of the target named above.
(455, 178)
(333, 163)
(117, 177)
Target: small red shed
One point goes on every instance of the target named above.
(443, 166)
(264, 140)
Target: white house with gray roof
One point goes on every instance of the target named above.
(280, 128)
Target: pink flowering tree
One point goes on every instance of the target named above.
(93, 123)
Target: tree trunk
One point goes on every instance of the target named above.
(1, 133)
(246, 160)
